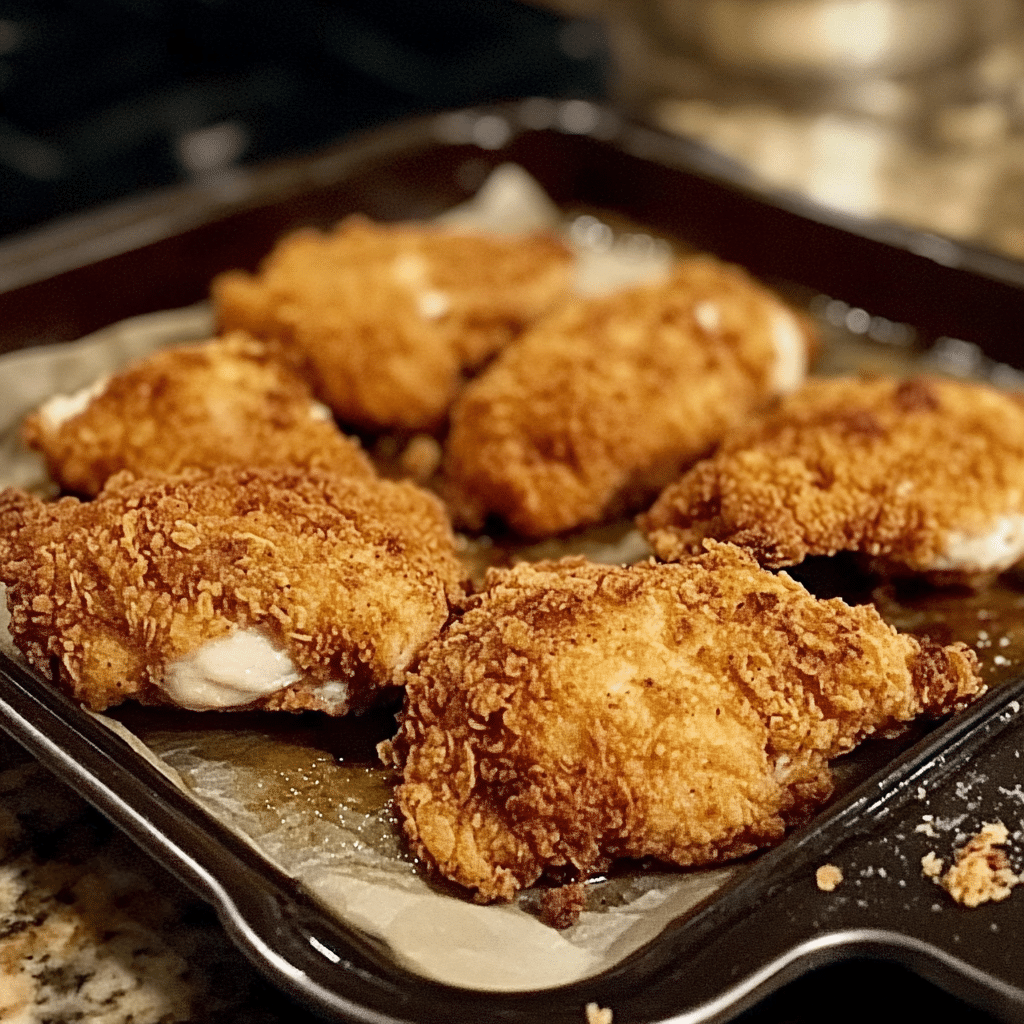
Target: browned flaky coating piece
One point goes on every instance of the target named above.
(220, 402)
(925, 474)
(337, 581)
(577, 713)
(386, 318)
(599, 405)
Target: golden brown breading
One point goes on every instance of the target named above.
(222, 402)
(577, 713)
(926, 474)
(599, 405)
(386, 318)
(336, 581)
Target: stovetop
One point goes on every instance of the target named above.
(106, 98)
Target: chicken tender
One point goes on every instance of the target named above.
(599, 405)
(275, 588)
(222, 402)
(578, 713)
(385, 319)
(926, 475)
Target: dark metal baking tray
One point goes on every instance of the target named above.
(772, 923)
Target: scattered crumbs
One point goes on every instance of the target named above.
(931, 865)
(882, 873)
(921, 792)
(561, 907)
(981, 871)
(993, 927)
(598, 1014)
(963, 790)
(1014, 706)
(928, 829)
(1000, 660)
(828, 876)
(1004, 641)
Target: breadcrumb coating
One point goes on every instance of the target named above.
(925, 474)
(577, 713)
(347, 577)
(599, 405)
(221, 402)
(386, 319)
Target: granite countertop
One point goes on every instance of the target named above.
(93, 931)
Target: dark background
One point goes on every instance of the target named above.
(103, 98)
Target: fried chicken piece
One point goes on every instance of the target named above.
(386, 318)
(221, 402)
(926, 475)
(599, 405)
(578, 713)
(275, 588)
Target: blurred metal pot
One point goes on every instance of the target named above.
(683, 47)
(830, 39)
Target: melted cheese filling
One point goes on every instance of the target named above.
(790, 369)
(238, 669)
(224, 673)
(56, 411)
(996, 550)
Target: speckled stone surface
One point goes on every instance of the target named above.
(93, 931)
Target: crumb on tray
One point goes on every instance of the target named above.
(931, 865)
(828, 876)
(981, 870)
(561, 907)
(598, 1014)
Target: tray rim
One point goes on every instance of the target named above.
(119, 226)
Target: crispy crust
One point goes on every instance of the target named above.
(349, 577)
(884, 467)
(385, 319)
(578, 713)
(221, 402)
(598, 406)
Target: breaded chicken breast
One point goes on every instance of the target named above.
(578, 713)
(386, 318)
(221, 402)
(599, 405)
(275, 588)
(925, 474)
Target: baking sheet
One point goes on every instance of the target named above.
(226, 768)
